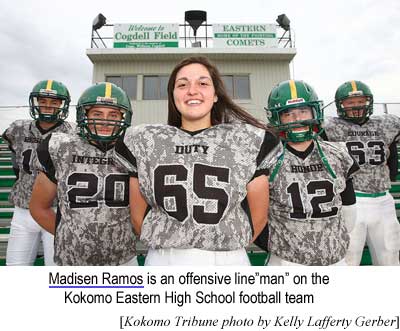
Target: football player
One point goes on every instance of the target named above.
(311, 193)
(49, 102)
(205, 192)
(92, 224)
(369, 140)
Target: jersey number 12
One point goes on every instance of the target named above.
(313, 188)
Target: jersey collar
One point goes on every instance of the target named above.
(44, 131)
(301, 154)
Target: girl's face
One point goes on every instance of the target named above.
(194, 95)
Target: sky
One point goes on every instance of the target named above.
(336, 41)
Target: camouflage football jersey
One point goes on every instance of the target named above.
(93, 224)
(24, 137)
(195, 184)
(305, 220)
(369, 145)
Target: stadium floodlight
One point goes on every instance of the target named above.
(195, 18)
(98, 22)
(283, 22)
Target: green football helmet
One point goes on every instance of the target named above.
(350, 89)
(49, 89)
(287, 96)
(108, 95)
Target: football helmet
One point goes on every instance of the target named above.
(287, 96)
(49, 89)
(350, 89)
(108, 95)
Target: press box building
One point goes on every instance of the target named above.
(139, 57)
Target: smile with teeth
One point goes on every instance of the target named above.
(302, 129)
(104, 132)
(194, 102)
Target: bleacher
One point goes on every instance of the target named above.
(7, 179)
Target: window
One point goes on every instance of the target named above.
(237, 86)
(127, 83)
(155, 87)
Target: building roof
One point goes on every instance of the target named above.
(155, 54)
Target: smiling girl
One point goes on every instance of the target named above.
(198, 188)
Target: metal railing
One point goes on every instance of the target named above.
(8, 114)
(380, 108)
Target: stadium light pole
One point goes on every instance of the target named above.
(284, 22)
(98, 22)
(195, 18)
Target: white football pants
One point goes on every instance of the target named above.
(195, 257)
(376, 225)
(25, 236)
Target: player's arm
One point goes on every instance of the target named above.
(45, 189)
(137, 204)
(392, 161)
(40, 206)
(8, 136)
(258, 200)
(258, 188)
(349, 205)
(348, 196)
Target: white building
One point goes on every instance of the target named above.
(249, 72)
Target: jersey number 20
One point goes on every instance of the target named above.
(80, 196)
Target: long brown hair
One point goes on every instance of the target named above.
(223, 111)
